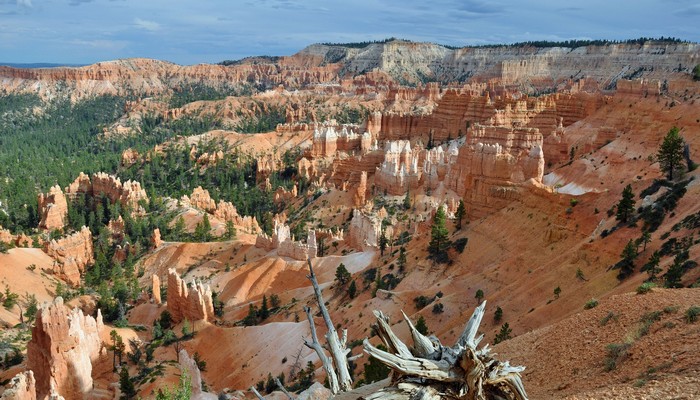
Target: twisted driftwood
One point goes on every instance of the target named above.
(429, 370)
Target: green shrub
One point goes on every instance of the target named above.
(691, 314)
(592, 303)
(616, 353)
(645, 287)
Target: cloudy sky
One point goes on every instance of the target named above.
(195, 31)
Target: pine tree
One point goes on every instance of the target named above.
(479, 295)
(498, 314)
(460, 214)
(352, 290)
(670, 154)
(652, 266)
(264, 311)
(126, 385)
(629, 253)
(625, 208)
(342, 276)
(439, 237)
(407, 201)
(230, 233)
(383, 241)
(504, 334)
(401, 261)
(421, 326)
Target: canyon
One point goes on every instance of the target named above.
(372, 145)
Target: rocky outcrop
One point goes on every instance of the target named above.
(116, 229)
(365, 230)
(330, 137)
(283, 195)
(155, 289)
(360, 195)
(72, 254)
(189, 365)
(128, 194)
(63, 347)
(226, 211)
(156, 241)
(282, 241)
(6, 236)
(21, 387)
(492, 166)
(315, 392)
(191, 302)
(130, 157)
(53, 209)
(200, 199)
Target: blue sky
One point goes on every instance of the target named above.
(196, 31)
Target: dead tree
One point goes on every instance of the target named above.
(429, 370)
(283, 389)
(338, 370)
(256, 393)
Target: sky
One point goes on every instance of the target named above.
(209, 31)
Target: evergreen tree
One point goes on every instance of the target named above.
(503, 334)
(230, 233)
(439, 237)
(375, 370)
(646, 238)
(479, 295)
(401, 261)
(672, 278)
(342, 276)
(498, 314)
(460, 214)
(652, 266)
(625, 208)
(352, 290)
(421, 326)
(670, 154)
(126, 385)
(383, 241)
(629, 253)
(264, 311)
(407, 201)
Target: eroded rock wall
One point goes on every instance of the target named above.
(72, 254)
(53, 209)
(191, 302)
(63, 346)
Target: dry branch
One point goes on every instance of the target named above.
(429, 370)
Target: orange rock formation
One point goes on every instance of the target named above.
(53, 209)
(72, 254)
(188, 302)
(64, 344)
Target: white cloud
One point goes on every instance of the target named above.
(25, 3)
(146, 25)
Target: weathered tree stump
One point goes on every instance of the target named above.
(429, 370)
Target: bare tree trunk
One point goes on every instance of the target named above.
(316, 346)
(336, 346)
(283, 389)
(256, 393)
